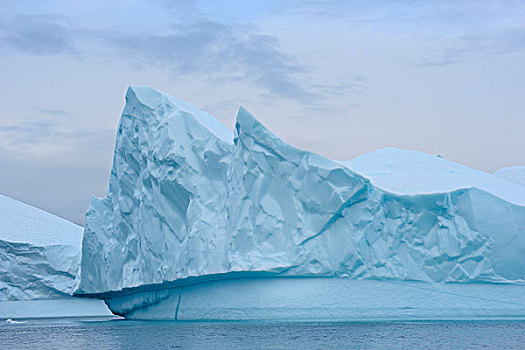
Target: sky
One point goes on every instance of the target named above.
(339, 78)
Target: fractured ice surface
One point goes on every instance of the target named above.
(189, 199)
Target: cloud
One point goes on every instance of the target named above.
(220, 51)
(36, 34)
(25, 133)
(445, 32)
(194, 46)
(56, 112)
(474, 47)
(498, 43)
(51, 138)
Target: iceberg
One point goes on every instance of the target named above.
(39, 264)
(202, 223)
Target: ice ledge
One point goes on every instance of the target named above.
(322, 299)
(65, 307)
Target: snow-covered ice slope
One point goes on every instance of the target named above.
(39, 260)
(514, 174)
(187, 205)
(40, 254)
(408, 172)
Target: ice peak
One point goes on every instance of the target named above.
(165, 106)
(245, 120)
(247, 124)
(147, 96)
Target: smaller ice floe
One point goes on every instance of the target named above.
(11, 321)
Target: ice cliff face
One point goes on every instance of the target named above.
(165, 209)
(39, 253)
(188, 198)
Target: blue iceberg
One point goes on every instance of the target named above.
(202, 223)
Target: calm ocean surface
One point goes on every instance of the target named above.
(120, 334)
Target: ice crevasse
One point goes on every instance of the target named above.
(203, 223)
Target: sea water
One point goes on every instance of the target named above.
(123, 334)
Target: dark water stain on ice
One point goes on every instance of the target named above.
(121, 334)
